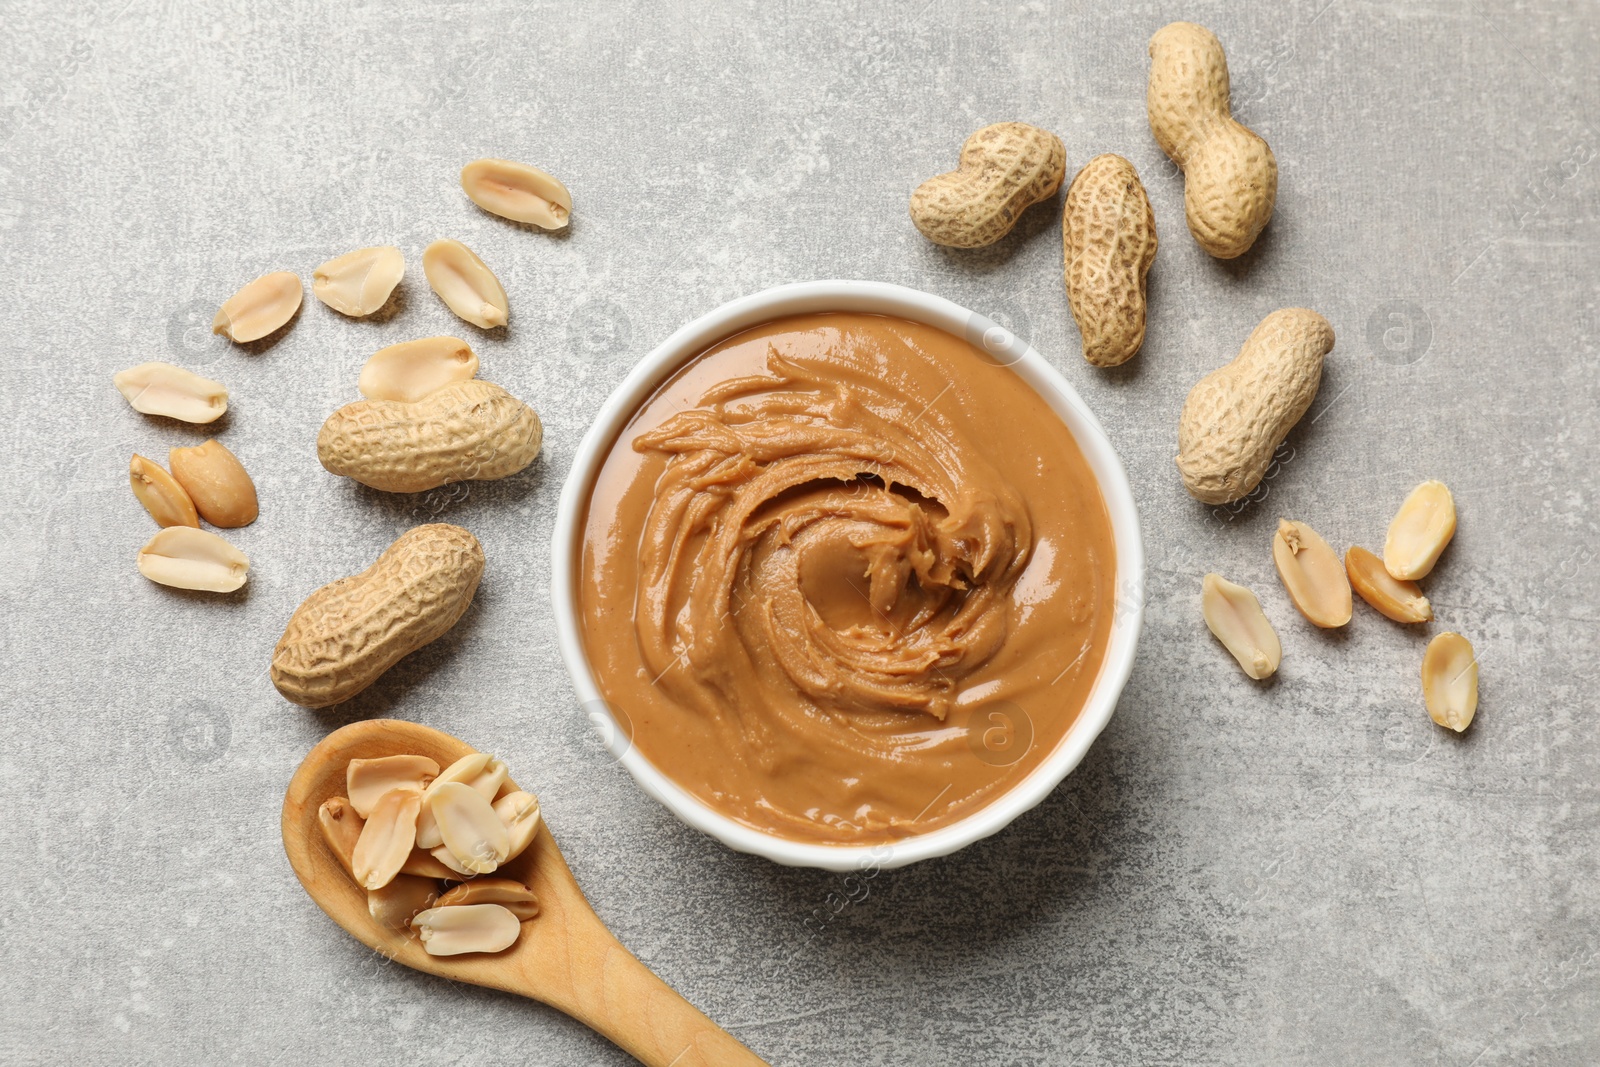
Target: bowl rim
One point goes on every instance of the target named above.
(798, 298)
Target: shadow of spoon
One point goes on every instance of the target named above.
(565, 957)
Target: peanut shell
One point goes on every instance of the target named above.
(469, 431)
(1109, 242)
(346, 634)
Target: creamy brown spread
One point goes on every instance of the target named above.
(845, 578)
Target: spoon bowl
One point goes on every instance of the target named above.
(565, 957)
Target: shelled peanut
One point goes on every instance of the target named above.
(1322, 589)
(443, 894)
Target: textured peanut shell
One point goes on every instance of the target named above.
(1108, 236)
(469, 431)
(1230, 174)
(1004, 169)
(346, 634)
(1236, 416)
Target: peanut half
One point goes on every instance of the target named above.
(409, 371)
(1312, 574)
(381, 852)
(469, 431)
(387, 838)
(186, 558)
(446, 858)
(1109, 241)
(341, 828)
(367, 780)
(1450, 681)
(465, 284)
(396, 904)
(1236, 416)
(360, 282)
(519, 812)
(217, 483)
(471, 830)
(1400, 601)
(466, 928)
(260, 308)
(346, 634)
(1230, 176)
(162, 389)
(1420, 531)
(512, 895)
(1004, 169)
(479, 770)
(517, 192)
(1234, 616)
(160, 493)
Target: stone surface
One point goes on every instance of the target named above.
(1305, 872)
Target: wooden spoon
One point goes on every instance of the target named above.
(565, 958)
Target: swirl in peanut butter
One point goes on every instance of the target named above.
(831, 564)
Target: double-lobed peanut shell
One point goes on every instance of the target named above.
(1312, 574)
(217, 483)
(1108, 236)
(517, 192)
(347, 633)
(465, 283)
(412, 370)
(163, 389)
(1230, 176)
(469, 431)
(1236, 416)
(166, 501)
(260, 308)
(1004, 169)
(360, 282)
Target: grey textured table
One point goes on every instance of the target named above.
(1306, 873)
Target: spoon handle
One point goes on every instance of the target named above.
(621, 998)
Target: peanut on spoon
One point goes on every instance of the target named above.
(565, 958)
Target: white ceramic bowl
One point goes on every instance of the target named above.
(880, 298)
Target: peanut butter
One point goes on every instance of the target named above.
(846, 579)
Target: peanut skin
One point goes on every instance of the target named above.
(1237, 416)
(1230, 174)
(469, 431)
(1004, 170)
(1109, 242)
(346, 634)
(217, 483)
